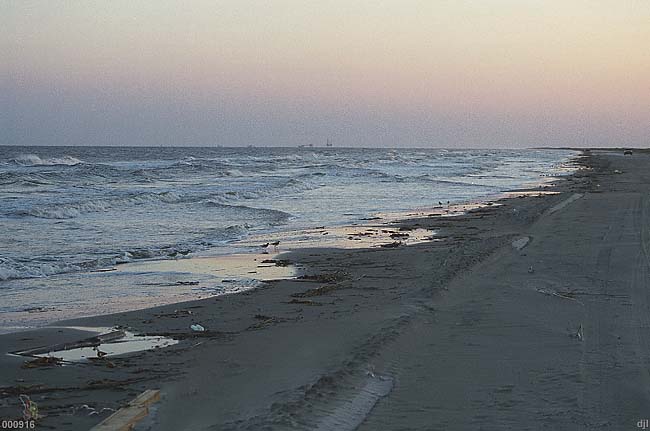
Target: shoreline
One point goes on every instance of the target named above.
(343, 291)
(239, 264)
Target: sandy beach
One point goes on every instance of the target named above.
(527, 313)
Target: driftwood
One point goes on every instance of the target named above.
(42, 362)
(125, 418)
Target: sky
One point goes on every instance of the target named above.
(404, 73)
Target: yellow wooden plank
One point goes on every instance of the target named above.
(125, 418)
(146, 398)
(122, 420)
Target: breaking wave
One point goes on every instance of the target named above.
(72, 210)
(34, 160)
(76, 209)
(12, 269)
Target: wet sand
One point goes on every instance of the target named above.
(531, 313)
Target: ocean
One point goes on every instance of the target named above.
(71, 210)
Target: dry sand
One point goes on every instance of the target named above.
(531, 314)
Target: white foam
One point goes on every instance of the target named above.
(34, 160)
(11, 269)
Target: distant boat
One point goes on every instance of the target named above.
(329, 144)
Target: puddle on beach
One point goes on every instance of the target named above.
(138, 285)
(227, 268)
(126, 342)
(223, 274)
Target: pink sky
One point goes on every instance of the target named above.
(402, 73)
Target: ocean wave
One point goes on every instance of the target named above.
(23, 180)
(340, 170)
(224, 167)
(75, 209)
(281, 187)
(272, 216)
(222, 199)
(13, 269)
(34, 160)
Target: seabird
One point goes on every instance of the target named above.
(100, 354)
